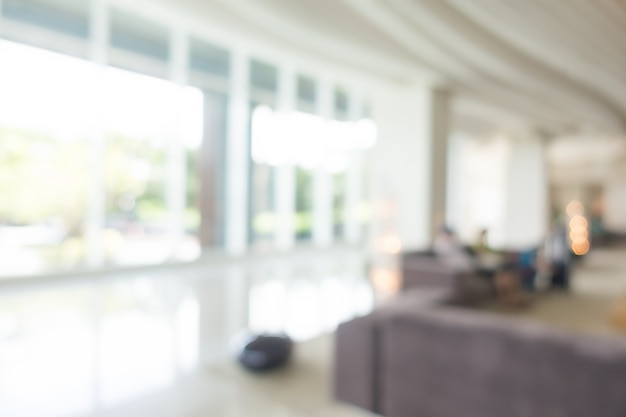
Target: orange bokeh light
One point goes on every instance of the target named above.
(578, 222)
(579, 234)
(385, 281)
(574, 208)
(580, 247)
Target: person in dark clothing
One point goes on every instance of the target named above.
(559, 254)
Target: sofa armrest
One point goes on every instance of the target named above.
(357, 368)
(356, 359)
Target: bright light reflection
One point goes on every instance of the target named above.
(40, 89)
(267, 305)
(137, 356)
(386, 282)
(187, 325)
(92, 349)
(391, 244)
(295, 138)
(302, 318)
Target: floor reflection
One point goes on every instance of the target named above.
(82, 348)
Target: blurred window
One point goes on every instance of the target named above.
(341, 112)
(66, 16)
(263, 76)
(339, 203)
(307, 94)
(209, 66)
(57, 25)
(44, 159)
(304, 204)
(306, 102)
(142, 116)
(309, 142)
(210, 59)
(138, 44)
(263, 84)
(341, 104)
(55, 111)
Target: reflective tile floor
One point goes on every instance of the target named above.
(158, 342)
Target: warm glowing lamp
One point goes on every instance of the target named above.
(574, 208)
(580, 247)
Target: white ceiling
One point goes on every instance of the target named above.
(557, 64)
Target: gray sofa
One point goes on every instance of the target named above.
(421, 357)
(424, 270)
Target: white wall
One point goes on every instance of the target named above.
(481, 189)
(403, 189)
(526, 208)
(503, 188)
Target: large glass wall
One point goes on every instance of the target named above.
(56, 110)
(115, 163)
(313, 144)
(142, 117)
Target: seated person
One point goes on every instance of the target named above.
(481, 246)
(487, 260)
(508, 286)
(527, 260)
(447, 247)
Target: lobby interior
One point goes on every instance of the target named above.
(175, 173)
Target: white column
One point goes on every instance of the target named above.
(354, 183)
(454, 186)
(526, 191)
(408, 164)
(483, 174)
(322, 184)
(437, 131)
(176, 157)
(505, 186)
(237, 155)
(285, 195)
(96, 210)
